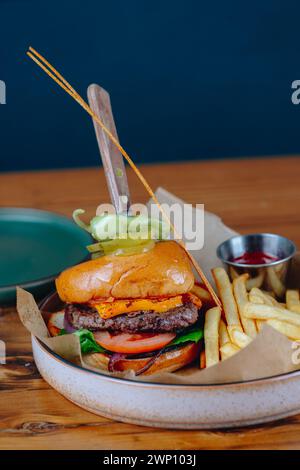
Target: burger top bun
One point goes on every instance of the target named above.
(165, 270)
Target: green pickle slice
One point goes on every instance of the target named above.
(120, 247)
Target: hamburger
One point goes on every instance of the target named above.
(133, 312)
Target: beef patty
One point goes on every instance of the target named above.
(82, 316)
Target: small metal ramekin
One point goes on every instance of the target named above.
(271, 276)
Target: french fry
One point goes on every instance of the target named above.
(202, 293)
(211, 336)
(266, 312)
(274, 282)
(223, 333)
(258, 296)
(239, 338)
(228, 350)
(255, 299)
(226, 295)
(256, 281)
(281, 305)
(279, 268)
(268, 292)
(287, 329)
(270, 299)
(233, 273)
(241, 298)
(293, 300)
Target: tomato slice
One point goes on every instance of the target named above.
(133, 343)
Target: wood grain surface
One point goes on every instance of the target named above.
(250, 195)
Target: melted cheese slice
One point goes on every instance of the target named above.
(120, 306)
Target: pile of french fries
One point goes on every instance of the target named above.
(244, 314)
(272, 277)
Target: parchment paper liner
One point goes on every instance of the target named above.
(270, 354)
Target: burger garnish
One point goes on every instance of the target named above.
(122, 234)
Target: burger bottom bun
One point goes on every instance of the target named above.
(167, 362)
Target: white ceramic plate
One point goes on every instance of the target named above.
(171, 406)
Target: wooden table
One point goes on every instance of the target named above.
(250, 195)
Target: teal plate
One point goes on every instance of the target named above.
(35, 246)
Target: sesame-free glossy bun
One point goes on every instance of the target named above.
(165, 270)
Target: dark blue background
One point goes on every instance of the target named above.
(188, 79)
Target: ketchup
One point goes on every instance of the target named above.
(256, 257)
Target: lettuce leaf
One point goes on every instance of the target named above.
(193, 335)
(62, 332)
(87, 341)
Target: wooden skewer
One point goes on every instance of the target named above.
(65, 85)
